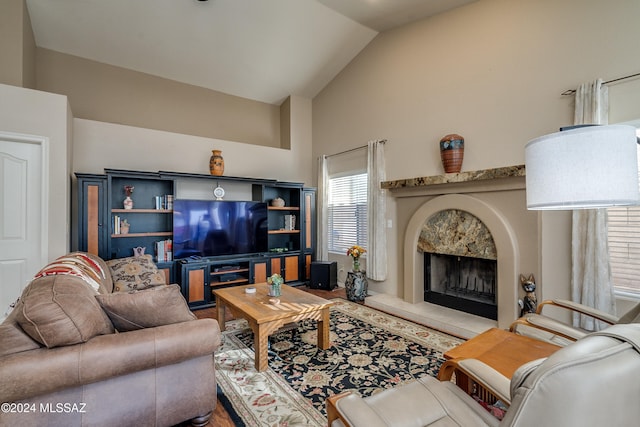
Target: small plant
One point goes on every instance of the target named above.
(124, 223)
(128, 190)
(275, 279)
(275, 283)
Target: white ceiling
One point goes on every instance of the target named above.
(263, 50)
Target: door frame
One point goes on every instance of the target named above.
(43, 142)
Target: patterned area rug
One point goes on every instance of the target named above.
(370, 351)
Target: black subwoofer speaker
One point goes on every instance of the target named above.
(324, 275)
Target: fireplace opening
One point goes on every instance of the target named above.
(462, 283)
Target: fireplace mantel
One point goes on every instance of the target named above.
(496, 179)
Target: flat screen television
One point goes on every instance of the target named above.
(212, 227)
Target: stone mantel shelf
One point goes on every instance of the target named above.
(496, 179)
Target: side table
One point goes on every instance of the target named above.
(502, 350)
(356, 285)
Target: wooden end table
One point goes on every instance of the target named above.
(502, 350)
(266, 318)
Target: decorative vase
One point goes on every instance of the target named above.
(356, 263)
(278, 202)
(275, 289)
(275, 285)
(452, 152)
(216, 163)
(128, 203)
(356, 286)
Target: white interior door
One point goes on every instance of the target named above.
(22, 214)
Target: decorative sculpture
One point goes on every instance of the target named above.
(530, 303)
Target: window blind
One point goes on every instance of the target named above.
(347, 212)
(624, 245)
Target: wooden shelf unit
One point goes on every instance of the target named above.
(243, 277)
(150, 211)
(152, 234)
(283, 208)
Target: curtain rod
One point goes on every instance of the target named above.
(572, 91)
(384, 141)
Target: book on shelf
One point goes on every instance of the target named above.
(164, 250)
(164, 202)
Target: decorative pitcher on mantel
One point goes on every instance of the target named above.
(216, 163)
(452, 152)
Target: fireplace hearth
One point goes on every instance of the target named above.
(462, 283)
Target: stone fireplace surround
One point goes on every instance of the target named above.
(497, 198)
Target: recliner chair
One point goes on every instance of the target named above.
(592, 382)
(560, 333)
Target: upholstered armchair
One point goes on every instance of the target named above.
(537, 325)
(591, 382)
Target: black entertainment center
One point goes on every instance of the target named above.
(201, 243)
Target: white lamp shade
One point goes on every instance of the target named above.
(587, 167)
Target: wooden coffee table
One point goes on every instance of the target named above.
(502, 350)
(266, 318)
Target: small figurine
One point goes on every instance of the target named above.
(530, 303)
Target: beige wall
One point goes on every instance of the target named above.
(100, 145)
(492, 71)
(174, 123)
(17, 46)
(106, 93)
(31, 112)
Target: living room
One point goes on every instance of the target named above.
(493, 71)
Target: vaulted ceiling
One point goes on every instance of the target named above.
(263, 50)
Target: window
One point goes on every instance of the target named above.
(624, 246)
(347, 212)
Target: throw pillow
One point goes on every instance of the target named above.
(156, 306)
(134, 273)
(61, 310)
(67, 266)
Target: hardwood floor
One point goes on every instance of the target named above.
(220, 416)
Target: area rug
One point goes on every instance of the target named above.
(370, 351)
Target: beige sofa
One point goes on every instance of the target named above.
(74, 353)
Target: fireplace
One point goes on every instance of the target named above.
(496, 197)
(462, 283)
(460, 262)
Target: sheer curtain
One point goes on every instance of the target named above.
(322, 248)
(376, 212)
(591, 274)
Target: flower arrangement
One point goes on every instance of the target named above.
(356, 252)
(275, 281)
(275, 278)
(128, 190)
